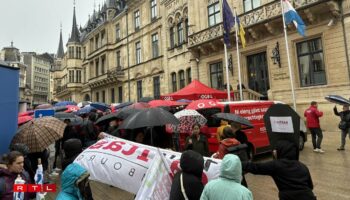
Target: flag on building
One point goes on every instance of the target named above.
(228, 21)
(241, 32)
(291, 16)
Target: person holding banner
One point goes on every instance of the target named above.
(228, 185)
(187, 184)
(291, 176)
(197, 141)
(312, 115)
(14, 167)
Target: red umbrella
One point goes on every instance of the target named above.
(164, 103)
(203, 103)
(139, 105)
(24, 119)
(28, 113)
(71, 108)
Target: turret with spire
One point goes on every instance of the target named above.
(60, 50)
(75, 36)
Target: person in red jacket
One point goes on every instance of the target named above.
(312, 115)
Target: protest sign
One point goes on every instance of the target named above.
(140, 169)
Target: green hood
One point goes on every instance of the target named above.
(231, 168)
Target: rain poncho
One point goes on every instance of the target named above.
(69, 191)
(228, 185)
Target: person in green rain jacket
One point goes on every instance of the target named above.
(228, 185)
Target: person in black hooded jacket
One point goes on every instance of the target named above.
(291, 176)
(192, 164)
(72, 148)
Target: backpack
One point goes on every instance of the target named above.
(240, 151)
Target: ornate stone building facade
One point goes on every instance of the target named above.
(136, 48)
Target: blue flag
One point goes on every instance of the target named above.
(228, 20)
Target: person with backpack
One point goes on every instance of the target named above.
(231, 145)
(14, 162)
(187, 183)
(344, 124)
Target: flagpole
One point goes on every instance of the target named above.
(227, 78)
(238, 57)
(226, 62)
(289, 65)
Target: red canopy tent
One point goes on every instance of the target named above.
(196, 90)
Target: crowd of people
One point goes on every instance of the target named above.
(291, 176)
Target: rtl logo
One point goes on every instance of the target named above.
(34, 187)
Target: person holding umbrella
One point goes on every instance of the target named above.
(291, 176)
(344, 124)
(197, 142)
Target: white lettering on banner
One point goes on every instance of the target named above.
(168, 98)
(140, 169)
(251, 113)
(282, 124)
(206, 96)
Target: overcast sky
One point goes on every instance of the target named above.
(34, 25)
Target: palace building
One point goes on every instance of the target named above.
(129, 49)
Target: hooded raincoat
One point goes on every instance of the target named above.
(228, 185)
(69, 190)
(192, 164)
(292, 177)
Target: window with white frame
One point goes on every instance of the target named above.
(250, 4)
(137, 19)
(153, 9)
(155, 48)
(214, 15)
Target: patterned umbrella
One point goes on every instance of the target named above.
(187, 119)
(39, 133)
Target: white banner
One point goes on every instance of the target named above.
(140, 169)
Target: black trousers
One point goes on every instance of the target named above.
(317, 137)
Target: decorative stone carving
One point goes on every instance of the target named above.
(310, 16)
(253, 33)
(259, 15)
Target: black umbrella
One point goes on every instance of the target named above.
(338, 100)
(122, 105)
(149, 117)
(126, 112)
(282, 123)
(75, 120)
(234, 118)
(146, 99)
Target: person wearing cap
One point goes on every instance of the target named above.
(291, 176)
